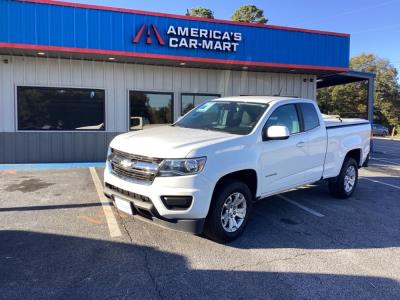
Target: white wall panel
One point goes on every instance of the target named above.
(252, 83)
(117, 79)
(267, 90)
(202, 80)
(29, 71)
(244, 83)
(42, 71)
(54, 72)
(7, 97)
(110, 97)
(236, 83)
(65, 72)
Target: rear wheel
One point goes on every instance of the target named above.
(229, 211)
(345, 183)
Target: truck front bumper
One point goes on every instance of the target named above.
(146, 201)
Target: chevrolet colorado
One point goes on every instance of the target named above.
(203, 173)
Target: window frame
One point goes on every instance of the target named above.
(299, 116)
(149, 92)
(58, 87)
(302, 117)
(194, 94)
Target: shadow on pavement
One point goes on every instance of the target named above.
(367, 220)
(40, 266)
(48, 207)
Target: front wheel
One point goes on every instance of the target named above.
(345, 183)
(229, 211)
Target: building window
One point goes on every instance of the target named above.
(48, 108)
(189, 101)
(148, 108)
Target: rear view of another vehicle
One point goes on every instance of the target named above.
(380, 130)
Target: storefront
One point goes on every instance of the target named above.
(73, 76)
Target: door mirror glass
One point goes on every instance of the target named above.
(277, 132)
(136, 123)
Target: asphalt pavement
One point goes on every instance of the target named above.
(56, 242)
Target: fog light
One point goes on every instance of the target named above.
(177, 202)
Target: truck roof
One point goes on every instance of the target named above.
(257, 99)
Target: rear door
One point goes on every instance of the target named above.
(316, 140)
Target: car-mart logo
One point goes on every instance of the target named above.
(192, 38)
(139, 34)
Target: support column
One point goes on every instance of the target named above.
(371, 90)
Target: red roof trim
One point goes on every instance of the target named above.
(157, 14)
(167, 57)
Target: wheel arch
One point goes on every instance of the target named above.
(247, 176)
(356, 154)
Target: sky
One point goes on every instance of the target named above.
(374, 25)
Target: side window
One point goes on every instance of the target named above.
(285, 115)
(310, 116)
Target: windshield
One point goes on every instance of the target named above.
(227, 116)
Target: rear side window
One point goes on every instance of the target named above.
(310, 116)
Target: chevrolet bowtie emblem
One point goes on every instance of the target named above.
(126, 163)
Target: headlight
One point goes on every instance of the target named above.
(181, 167)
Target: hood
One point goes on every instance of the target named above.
(168, 141)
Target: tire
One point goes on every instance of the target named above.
(345, 183)
(221, 206)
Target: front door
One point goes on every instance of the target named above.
(283, 162)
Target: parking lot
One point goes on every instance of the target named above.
(60, 238)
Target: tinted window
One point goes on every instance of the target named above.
(190, 101)
(147, 108)
(231, 117)
(285, 115)
(310, 116)
(44, 108)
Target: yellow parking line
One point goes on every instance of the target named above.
(110, 217)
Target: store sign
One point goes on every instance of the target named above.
(207, 39)
(192, 38)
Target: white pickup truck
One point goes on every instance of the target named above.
(203, 173)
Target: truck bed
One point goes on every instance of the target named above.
(343, 135)
(336, 122)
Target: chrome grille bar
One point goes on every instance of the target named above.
(134, 166)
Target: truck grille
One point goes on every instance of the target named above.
(133, 166)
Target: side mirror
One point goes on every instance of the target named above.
(277, 133)
(136, 123)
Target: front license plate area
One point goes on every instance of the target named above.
(123, 205)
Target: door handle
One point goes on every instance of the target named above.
(300, 144)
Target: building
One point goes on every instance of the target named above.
(72, 76)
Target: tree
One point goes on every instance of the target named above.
(200, 12)
(249, 14)
(350, 100)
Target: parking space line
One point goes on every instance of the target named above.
(307, 209)
(387, 161)
(110, 218)
(384, 183)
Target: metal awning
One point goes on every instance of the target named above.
(343, 78)
(349, 77)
